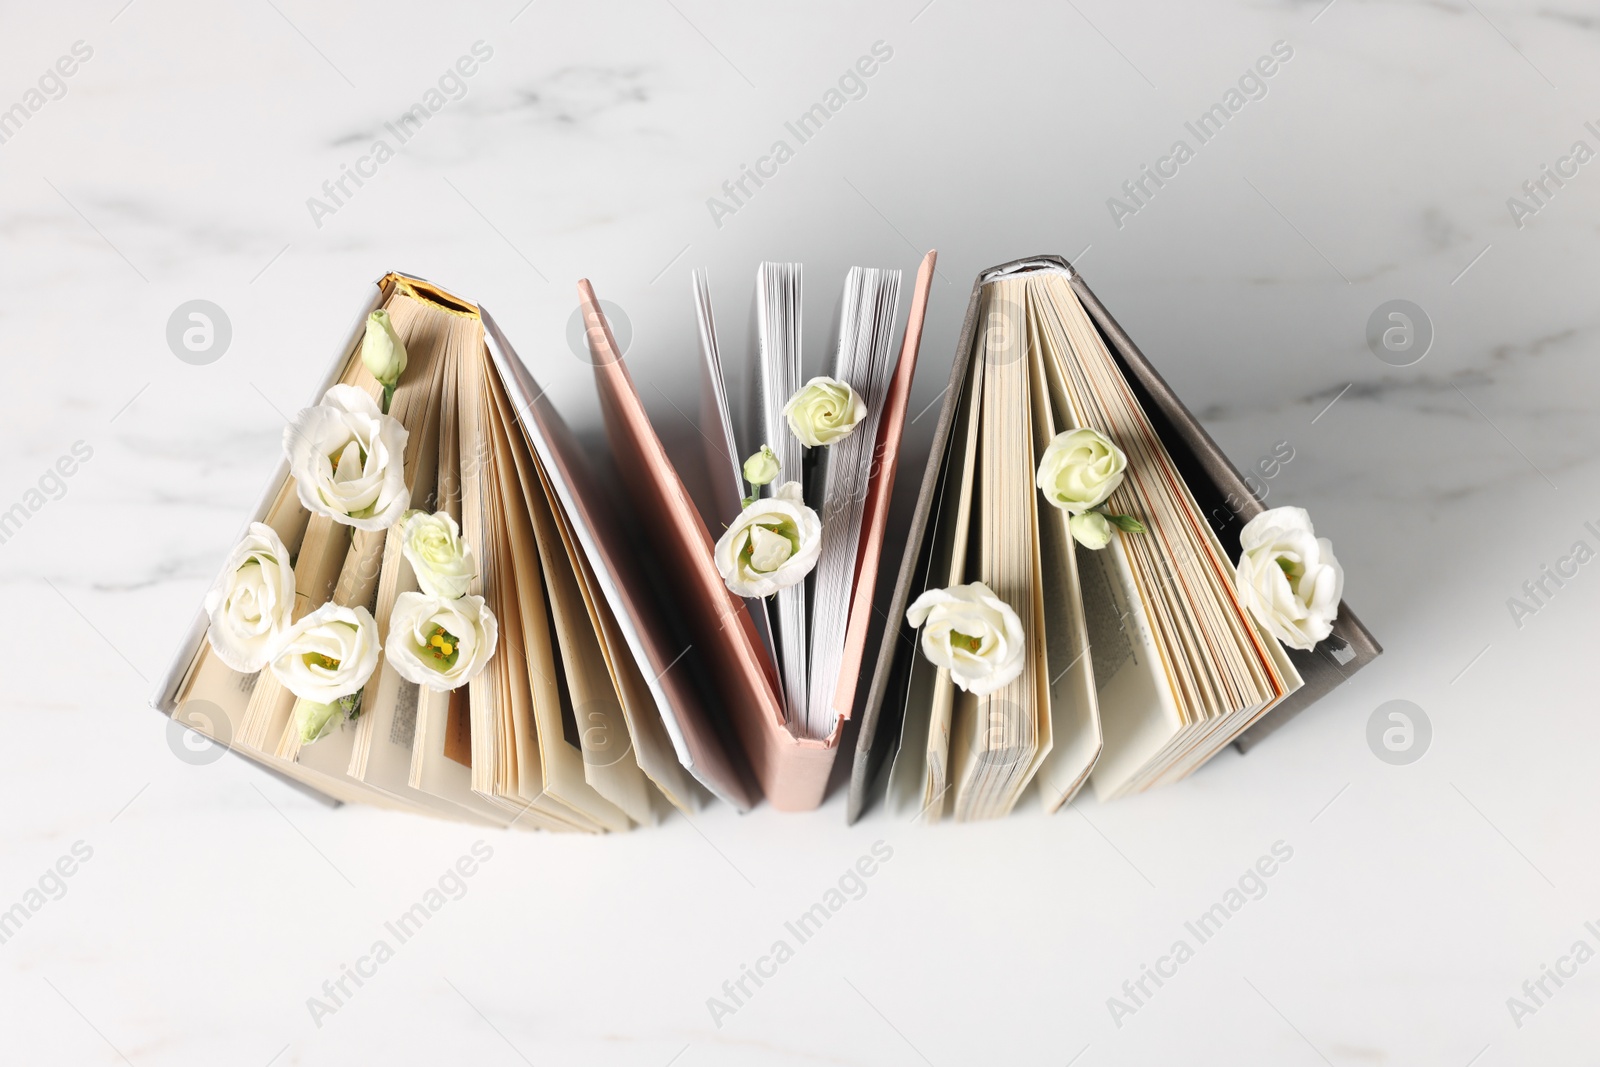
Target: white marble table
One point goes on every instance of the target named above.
(175, 163)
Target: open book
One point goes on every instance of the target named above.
(1139, 660)
(784, 669)
(576, 721)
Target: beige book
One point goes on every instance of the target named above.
(563, 728)
(1140, 660)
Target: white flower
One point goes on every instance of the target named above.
(1288, 578)
(762, 466)
(442, 561)
(1091, 529)
(823, 411)
(347, 458)
(973, 633)
(328, 654)
(440, 642)
(772, 545)
(382, 350)
(1080, 470)
(252, 600)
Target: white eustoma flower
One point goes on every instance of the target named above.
(328, 654)
(823, 411)
(772, 545)
(250, 604)
(440, 642)
(1080, 469)
(973, 633)
(1288, 578)
(348, 460)
(443, 563)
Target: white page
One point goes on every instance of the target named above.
(722, 453)
(866, 336)
(778, 306)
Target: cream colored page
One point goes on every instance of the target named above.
(380, 755)
(422, 332)
(1219, 648)
(1138, 713)
(1149, 554)
(1164, 568)
(464, 468)
(213, 702)
(551, 616)
(1226, 637)
(948, 566)
(417, 404)
(393, 727)
(648, 755)
(918, 777)
(1075, 716)
(443, 777)
(1002, 740)
(396, 577)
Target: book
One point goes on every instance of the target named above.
(569, 717)
(1139, 660)
(784, 669)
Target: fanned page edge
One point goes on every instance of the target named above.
(896, 645)
(792, 771)
(704, 756)
(848, 471)
(791, 642)
(714, 407)
(880, 492)
(1320, 669)
(714, 396)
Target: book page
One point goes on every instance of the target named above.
(879, 493)
(723, 461)
(920, 773)
(1220, 673)
(529, 721)
(610, 787)
(999, 742)
(949, 567)
(701, 746)
(866, 334)
(1069, 671)
(778, 318)
(645, 743)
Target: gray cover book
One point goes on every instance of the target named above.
(1211, 478)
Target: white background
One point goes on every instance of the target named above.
(1419, 898)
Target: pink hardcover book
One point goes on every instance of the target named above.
(742, 680)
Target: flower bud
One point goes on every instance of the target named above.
(313, 719)
(382, 350)
(762, 467)
(1091, 529)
